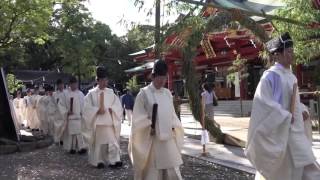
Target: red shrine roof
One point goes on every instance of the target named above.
(215, 48)
(226, 45)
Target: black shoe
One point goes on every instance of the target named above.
(61, 143)
(100, 166)
(72, 151)
(119, 164)
(112, 166)
(82, 151)
(116, 165)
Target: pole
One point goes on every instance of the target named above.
(157, 30)
(241, 90)
(318, 112)
(79, 73)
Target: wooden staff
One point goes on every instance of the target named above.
(293, 101)
(71, 105)
(154, 119)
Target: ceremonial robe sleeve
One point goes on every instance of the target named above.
(140, 140)
(89, 115)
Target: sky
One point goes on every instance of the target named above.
(111, 12)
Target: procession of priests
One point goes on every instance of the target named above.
(279, 142)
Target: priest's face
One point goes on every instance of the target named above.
(289, 56)
(102, 83)
(61, 86)
(74, 86)
(159, 81)
(286, 58)
(50, 93)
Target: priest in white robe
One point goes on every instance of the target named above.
(103, 114)
(29, 111)
(42, 114)
(71, 109)
(156, 133)
(35, 122)
(18, 104)
(59, 95)
(47, 111)
(277, 146)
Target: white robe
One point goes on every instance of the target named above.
(71, 128)
(29, 111)
(155, 157)
(278, 149)
(47, 113)
(18, 104)
(42, 114)
(58, 124)
(102, 132)
(34, 122)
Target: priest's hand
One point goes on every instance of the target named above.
(305, 115)
(101, 111)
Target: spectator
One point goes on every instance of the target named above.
(176, 103)
(127, 104)
(207, 100)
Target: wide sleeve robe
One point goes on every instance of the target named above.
(140, 141)
(268, 129)
(91, 107)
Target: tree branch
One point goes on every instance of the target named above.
(250, 13)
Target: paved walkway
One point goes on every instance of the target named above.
(225, 155)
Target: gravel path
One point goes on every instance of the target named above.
(53, 163)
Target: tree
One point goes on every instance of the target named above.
(23, 20)
(133, 85)
(13, 83)
(141, 36)
(306, 38)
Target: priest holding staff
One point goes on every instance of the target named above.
(71, 109)
(156, 133)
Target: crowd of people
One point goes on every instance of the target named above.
(277, 146)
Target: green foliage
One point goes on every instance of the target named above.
(13, 83)
(141, 36)
(238, 65)
(133, 85)
(66, 38)
(23, 20)
(306, 40)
